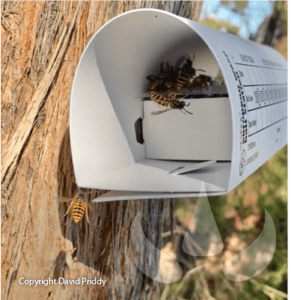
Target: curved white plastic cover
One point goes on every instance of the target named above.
(110, 82)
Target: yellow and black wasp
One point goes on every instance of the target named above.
(201, 81)
(169, 85)
(170, 100)
(164, 81)
(79, 207)
(186, 75)
(162, 89)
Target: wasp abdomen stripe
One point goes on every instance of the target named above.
(163, 100)
(181, 81)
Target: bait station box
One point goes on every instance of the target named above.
(119, 145)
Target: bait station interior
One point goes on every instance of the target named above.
(117, 143)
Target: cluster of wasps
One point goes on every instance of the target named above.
(166, 88)
(79, 207)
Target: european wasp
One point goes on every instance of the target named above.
(164, 81)
(201, 81)
(168, 86)
(171, 100)
(79, 207)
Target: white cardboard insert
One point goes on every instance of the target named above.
(205, 135)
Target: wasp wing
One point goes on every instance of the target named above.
(155, 113)
(65, 199)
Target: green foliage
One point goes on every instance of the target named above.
(241, 5)
(219, 25)
(219, 79)
(266, 189)
(281, 8)
(270, 184)
(224, 3)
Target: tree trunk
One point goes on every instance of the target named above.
(41, 46)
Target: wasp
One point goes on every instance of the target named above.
(79, 207)
(201, 81)
(186, 74)
(155, 83)
(171, 100)
(170, 82)
(164, 81)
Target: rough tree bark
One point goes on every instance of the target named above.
(41, 46)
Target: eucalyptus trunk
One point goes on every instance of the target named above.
(42, 43)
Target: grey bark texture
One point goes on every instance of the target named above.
(41, 46)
